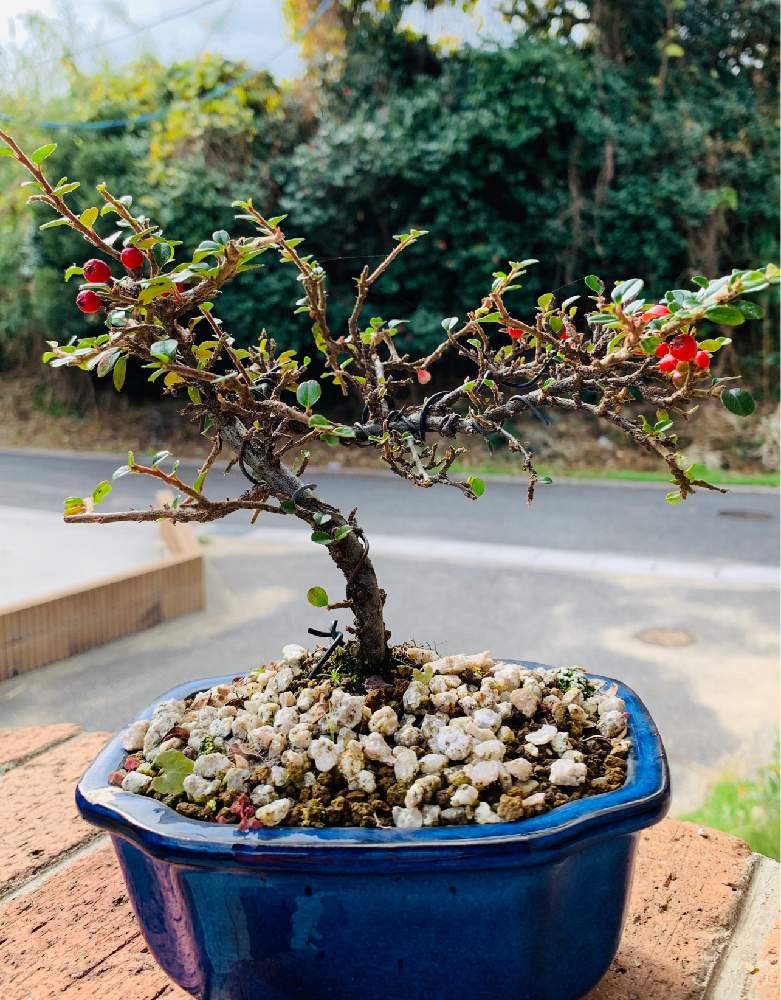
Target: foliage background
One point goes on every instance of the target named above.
(613, 138)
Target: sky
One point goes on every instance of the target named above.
(250, 30)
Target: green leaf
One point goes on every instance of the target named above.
(545, 300)
(73, 270)
(174, 768)
(63, 189)
(74, 505)
(160, 456)
(321, 519)
(101, 491)
(42, 152)
(725, 315)
(625, 291)
(317, 597)
(162, 253)
(321, 537)
(544, 481)
(318, 420)
(164, 349)
(308, 393)
(594, 283)
(89, 217)
(449, 323)
(649, 344)
(106, 362)
(194, 394)
(674, 50)
(493, 317)
(287, 507)
(751, 310)
(54, 224)
(477, 486)
(674, 497)
(341, 532)
(738, 401)
(123, 470)
(711, 346)
(221, 236)
(556, 323)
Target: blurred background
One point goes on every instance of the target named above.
(597, 136)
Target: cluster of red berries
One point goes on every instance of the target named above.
(679, 354)
(98, 272)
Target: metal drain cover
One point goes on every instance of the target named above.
(666, 637)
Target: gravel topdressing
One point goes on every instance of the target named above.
(450, 740)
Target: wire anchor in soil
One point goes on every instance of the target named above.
(338, 640)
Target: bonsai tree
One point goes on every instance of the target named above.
(262, 406)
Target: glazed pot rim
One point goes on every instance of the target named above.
(162, 832)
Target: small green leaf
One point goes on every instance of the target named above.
(674, 497)
(123, 470)
(73, 270)
(118, 373)
(164, 349)
(317, 597)
(287, 507)
(625, 291)
(477, 486)
(711, 346)
(449, 323)
(321, 537)
(725, 315)
(341, 532)
(89, 217)
(738, 401)
(308, 393)
(160, 456)
(594, 283)
(174, 768)
(54, 224)
(544, 481)
(556, 323)
(42, 152)
(649, 344)
(194, 394)
(101, 491)
(751, 310)
(545, 300)
(74, 505)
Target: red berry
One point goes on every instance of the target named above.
(683, 347)
(514, 332)
(423, 376)
(662, 350)
(97, 271)
(88, 301)
(132, 258)
(655, 312)
(668, 363)
(702, 360)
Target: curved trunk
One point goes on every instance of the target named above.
(363, 593)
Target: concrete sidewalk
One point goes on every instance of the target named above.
(700, 923)
(39, 553)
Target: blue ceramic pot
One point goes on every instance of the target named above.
(513, 911)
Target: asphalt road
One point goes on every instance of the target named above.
(611, 517)
(579, 577)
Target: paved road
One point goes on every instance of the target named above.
(616, 518)
(520, 580)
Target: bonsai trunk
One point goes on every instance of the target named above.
(362, 591)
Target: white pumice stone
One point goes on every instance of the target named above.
(135, 782)
(485, 814)
(461, 662)
(280, 680)
(266, 713)
(274, 812)
(261, 795)
(405, 763)
(133, 736)
(324, 753)
(452, 816)
(519, 769)
(346, 709)
(351, 761)
(209, 765)
(541, 736)
(537, 799)
(530, 750)
(577, 713)
(294, 759)
(172, 744)
(227, 712)
(560, 743)
(505, 734)
(279, 776)
(421, 790)
(611, 705)
(483, 773)
(445, 702)
(430, 815)
(572, 755)
(439, 684)
(464, 795)
(407, 819)
(432, 763)
(236, 779)
(489, 750)
(612, 724)
(431, 724)
(454, 743)
(384, 721)
(199, 789)
(197, 737)
(220, 727)
(507, 676)
(305, 700)
(299, 736)
(408, 736)
(416, 695)
(287, 699)
(365, 782)
(293, 654)
(525, 700)
(375, 748)
(567, 772)
(468, 703)
(285, 719)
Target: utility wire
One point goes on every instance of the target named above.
(151, 116)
